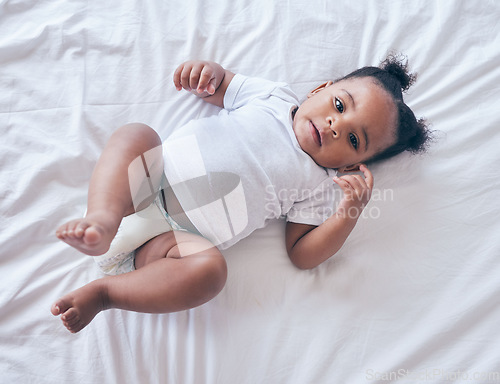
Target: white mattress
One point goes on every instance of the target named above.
(414, 292)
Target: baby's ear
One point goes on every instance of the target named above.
(320, 88)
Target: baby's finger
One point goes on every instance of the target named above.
(363, 192)
(358, 185)
(194, 78)
(368, 176)
(344, 184)
(207, 74)
(354, 187)
(347, 188)
(177, 77)
(211, 87)
(356, 181)
(185, 76)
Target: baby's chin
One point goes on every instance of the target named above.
(322, 163)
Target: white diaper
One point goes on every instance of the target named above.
(134, 231)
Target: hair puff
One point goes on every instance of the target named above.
(397, 66)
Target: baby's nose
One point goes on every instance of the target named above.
(330, 121)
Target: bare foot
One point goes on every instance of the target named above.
(91, 235)
(78, 308)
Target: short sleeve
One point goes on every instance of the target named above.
(243, 90)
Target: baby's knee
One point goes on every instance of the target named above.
(218, 268)
(211, 272)
(139, 133)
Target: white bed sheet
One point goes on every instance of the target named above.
(413, 294)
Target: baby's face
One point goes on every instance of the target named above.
(346, 123)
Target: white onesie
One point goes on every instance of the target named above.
(234, 171)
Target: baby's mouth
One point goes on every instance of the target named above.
(315, 133)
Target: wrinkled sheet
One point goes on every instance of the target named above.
(414, 292)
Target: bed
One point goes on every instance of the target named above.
(413, 295)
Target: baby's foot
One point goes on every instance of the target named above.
(91, 235)
(78, 308)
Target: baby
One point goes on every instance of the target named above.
(163, 249)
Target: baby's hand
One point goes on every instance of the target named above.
(357, 192)
(197, 76)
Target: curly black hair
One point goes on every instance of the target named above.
(412, 134)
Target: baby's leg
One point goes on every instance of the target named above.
(109, 196)
(175, 271)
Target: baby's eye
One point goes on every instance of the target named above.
(339, 105)
(354, 140)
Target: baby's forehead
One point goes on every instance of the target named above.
(366, 81)
(364, 88)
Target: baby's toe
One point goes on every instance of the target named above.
(62, 231)
(60, 306)
(55, 310)
(67, 230)
(70, 315)
(73, 323)
(80, 229)
(75, 327)
(74, 229)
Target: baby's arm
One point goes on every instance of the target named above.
(308, 245)
(205, 79)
